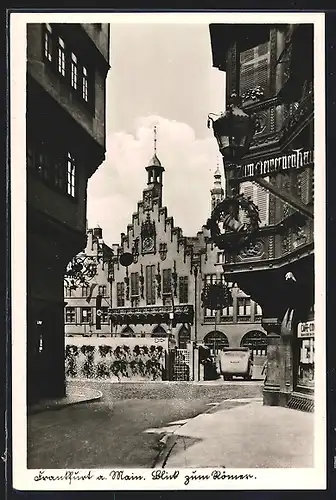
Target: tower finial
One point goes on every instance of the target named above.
(155, 139)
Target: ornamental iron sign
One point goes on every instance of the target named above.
(226, 230)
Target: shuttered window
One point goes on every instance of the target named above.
(254, 68)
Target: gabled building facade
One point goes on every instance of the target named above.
(159, 293)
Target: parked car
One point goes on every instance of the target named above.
(236, 362)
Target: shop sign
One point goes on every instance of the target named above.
(298, 158)
(306, 330)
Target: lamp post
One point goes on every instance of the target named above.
(233, 131)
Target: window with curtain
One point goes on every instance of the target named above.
(102, 290)
(150, 285)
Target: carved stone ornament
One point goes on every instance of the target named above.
(252, 250)
(163, 250)
(148, 235)
(299, 237)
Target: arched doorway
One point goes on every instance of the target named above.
(256, 341)
(216, 341)
(127, 332)
(183, 337)
(159, 331)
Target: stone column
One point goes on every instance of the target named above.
(271, 391)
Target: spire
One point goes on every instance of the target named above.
(155, 162)
(217, 192)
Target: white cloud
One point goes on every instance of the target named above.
(189, 163)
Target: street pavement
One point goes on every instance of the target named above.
(247, 436)
(127, 425)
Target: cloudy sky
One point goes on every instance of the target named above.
(163, 75)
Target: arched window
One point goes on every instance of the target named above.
(127, 332)
(159, 331)
(256, 341)
(183, 337)
(216, 341)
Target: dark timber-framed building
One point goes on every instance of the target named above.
(67, 65)
(271, 68)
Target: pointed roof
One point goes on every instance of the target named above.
(154, 162)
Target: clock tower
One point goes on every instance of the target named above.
(155, 170)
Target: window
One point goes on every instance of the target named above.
(244, 306)
(210, 279)
(61, 56)
(74, 71)
(254, 69)
(86, 315)
(209, 313)
(220, 257)
(183, 289)
(67, 291)
(70, 315)
(59, 173)
(85, 84)
(48, 42)
(85, 291)
(167, 282)
(102, 290)
(104, 315)
(120, 294)
(227, 311)
(71, 175)
(150, 285)
(134, 284)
